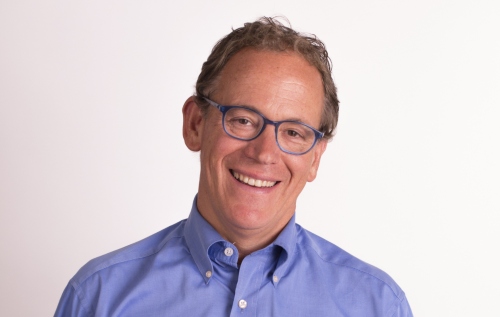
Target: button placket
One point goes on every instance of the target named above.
(250, 278)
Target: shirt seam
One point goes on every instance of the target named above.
(398, 304)
(155, 251)
(356, 269)
(85, 306)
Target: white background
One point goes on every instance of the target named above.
(92, 157)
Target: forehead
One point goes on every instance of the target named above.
(281, 85)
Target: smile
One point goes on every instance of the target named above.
(251, 181)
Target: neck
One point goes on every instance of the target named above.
(246, 241)
(248, 246)
(250, 229)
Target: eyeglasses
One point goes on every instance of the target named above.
(246, 124)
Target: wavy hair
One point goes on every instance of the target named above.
(270, 34)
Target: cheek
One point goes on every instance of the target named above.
(298, 166)
(302, 167)
(218, 148)
(210, 141)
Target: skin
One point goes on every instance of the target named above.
(281, 86)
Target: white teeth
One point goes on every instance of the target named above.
(253, 182)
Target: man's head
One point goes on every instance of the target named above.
(269, 34)
(249, 188)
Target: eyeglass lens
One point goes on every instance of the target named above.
(246, 124)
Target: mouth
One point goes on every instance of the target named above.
(252, 181)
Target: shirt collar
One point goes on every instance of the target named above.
(200, 236)
(287, 240)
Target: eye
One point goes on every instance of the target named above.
(293, 133)
(242, 121)
(296, 132)
(242, 118)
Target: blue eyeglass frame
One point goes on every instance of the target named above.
(224, 109)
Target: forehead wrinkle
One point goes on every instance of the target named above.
(285, 94)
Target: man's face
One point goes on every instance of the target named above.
(281, 86)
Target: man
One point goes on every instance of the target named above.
(264, 109)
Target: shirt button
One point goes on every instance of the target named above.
(208, 274)
(275, 279)
(242, 303)
(228, 251)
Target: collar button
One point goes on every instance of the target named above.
(228, 251)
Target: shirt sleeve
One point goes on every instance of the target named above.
(70, 305)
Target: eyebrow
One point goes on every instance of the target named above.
(255, 109)
(295, 119)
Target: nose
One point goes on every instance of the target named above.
(264, 148)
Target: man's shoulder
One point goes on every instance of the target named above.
(339, 260)
(139, 250)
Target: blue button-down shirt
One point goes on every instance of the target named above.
(188, 269)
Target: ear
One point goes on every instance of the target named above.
(318, 151)
(193, 121)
